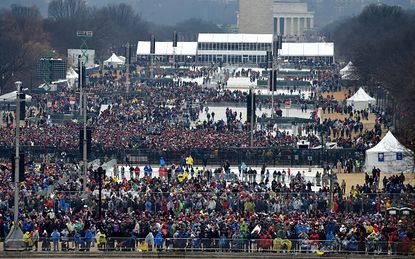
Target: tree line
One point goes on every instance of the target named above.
(380, 43)
(26, 36)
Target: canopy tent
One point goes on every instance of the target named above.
(347, 69)
(71, 76)
(113, 61)
(360, 100)
(389, 156)
(348, 72)
(12, 96)
(122, 59)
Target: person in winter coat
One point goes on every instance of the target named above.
(35, 239)
(158, 241)
(88, 238)
(56, 236)
(224, 242)
(150, 240)
(27, 240)
(265, 241)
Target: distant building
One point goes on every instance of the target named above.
(165, 53)
(283, 17)
(235, 48)
(255, 16)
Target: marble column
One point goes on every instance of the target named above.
(278, 24)
(285, 25)
(302, 22)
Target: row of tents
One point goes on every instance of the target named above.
(388, 155)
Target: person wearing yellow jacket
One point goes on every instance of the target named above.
(276, 244)
(101, 240)
(189, 161)
(27, 239)
(286, 244)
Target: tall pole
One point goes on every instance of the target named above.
(127, 80)
(14, 239)
(272, 88)
(85, 147)
(174, 57)
(83, 104)
(84, 35)
(17, 156)
(252, 116)
(80, 85)
(331, 189)
(151, 65)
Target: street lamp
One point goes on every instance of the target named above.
(253, 110)
(14, 240)
(84, 135)
(326, 168)
(276, 46)
(98, 175)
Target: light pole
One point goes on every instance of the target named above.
(174, 48)
(152, 52)
(327, 168)
(128, 57)
(276, 46)
(84, 35)
(85, 142)
(99, 173)
(252, 115)
(14, 240)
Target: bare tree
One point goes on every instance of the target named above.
(22, 41)
(67, 9)
(379, 42)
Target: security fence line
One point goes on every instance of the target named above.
(270, 156)
(370, 246)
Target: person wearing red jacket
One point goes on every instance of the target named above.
(265, 241)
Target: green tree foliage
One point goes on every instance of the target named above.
(380, 43)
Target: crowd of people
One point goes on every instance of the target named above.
(208, 209)
(168, 117)
(277, 211)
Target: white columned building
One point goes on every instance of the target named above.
(291, 17)
(283, 17)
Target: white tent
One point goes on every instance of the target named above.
(11, 97)
(113, 61)
(348, 72)
(360, 100)
(71, 76)
(122, 58)
(347, 69)
(389, 156)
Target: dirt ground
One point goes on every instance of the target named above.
(367, 124)
(337, 95)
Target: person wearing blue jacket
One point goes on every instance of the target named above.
(158, 241)
(56, 236)
(352, 244)
(162, 162)
(88, 238)
(329, 238)
(79, 242)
